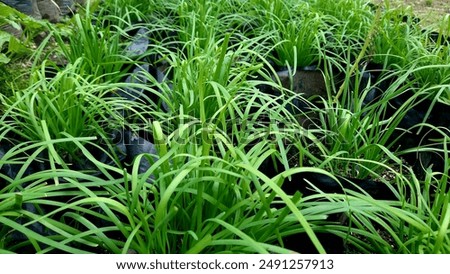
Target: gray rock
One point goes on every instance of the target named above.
(69, 6)
(16, 31)
(28, 7)
(49, 10)
(66, 6)
(24, 6)
(46, 9)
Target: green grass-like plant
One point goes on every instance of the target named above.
(216, 127)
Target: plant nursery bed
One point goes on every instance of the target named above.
(225, 127)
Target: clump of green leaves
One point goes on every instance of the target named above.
(205, 189)
(66, 105)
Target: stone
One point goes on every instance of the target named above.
(28, 7)
(65, 6)
(49, 10)
(45, 9)
(24, 6)
(69, 6)
(16, 32)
